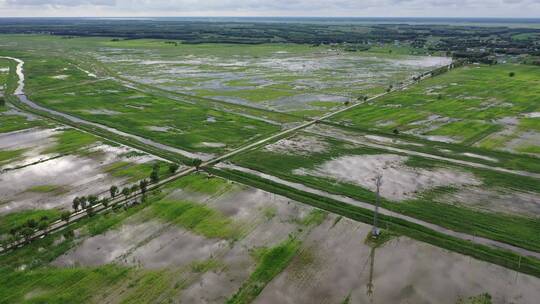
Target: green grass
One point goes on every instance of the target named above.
(7, 156)
(464, 131)
(190, 124)
(11, 123)
(58, 285)
(484, 298)
(18, 219)
(512, 229)
(202, 183)
(252, 95)
(471, 94)
(270, 262)
(46, 189)
(133, 171)
(505, 159)
(150, 286)
(530, 124)
(314, 218)
(500, 257)
(42, 283)
(71, 141)
(206, 265)
(198, 218)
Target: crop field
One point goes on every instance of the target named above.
(44, 168)
(303, 80)
(207, 240)
(427, 189)
(493, 107)
(231, 187)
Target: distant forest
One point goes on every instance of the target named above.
(457, 40)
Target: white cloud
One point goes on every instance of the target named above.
(424, 8)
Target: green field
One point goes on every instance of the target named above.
(468, 105)
(433, 205)
(289, 219)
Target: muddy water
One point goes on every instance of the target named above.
(174, 248)
(299, 144)
(400, 182)
(245, 205)
(402, 271)
(334, 261)
(496, 200)
(29, 138)
(348, 200)
(108, 247)
(73, 175)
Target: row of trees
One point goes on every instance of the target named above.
(87, 203)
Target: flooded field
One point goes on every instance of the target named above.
(284, 78)
(333, 262)
(457, 108)
(457, 164)
(401, 182)
(48, 172)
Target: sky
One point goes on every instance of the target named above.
(271, 8)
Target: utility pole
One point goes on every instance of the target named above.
(375, 231)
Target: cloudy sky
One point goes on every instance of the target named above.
(360, 8)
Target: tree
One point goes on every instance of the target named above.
(76, 203)
(105, 202)
(511, 74)
(155, 167)
(126, 192)
(43, 225)
(154, 176)
(31, 223)
(92, 200)
(143, 184)
(65, 216)
(173, 167)
(197, 163)
(83, 200)
(113, 190)
(27, 233)
(134, 189)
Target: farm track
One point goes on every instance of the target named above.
(383, 211)
(432, 156)
(58, 225)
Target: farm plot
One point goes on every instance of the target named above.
(44, 169)
(206, 240)
(430, 190)
(528, 164)
(178, 124)
(303, 80)
(495, 107)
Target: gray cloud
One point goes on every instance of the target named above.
(426, 8)
(58, 3)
